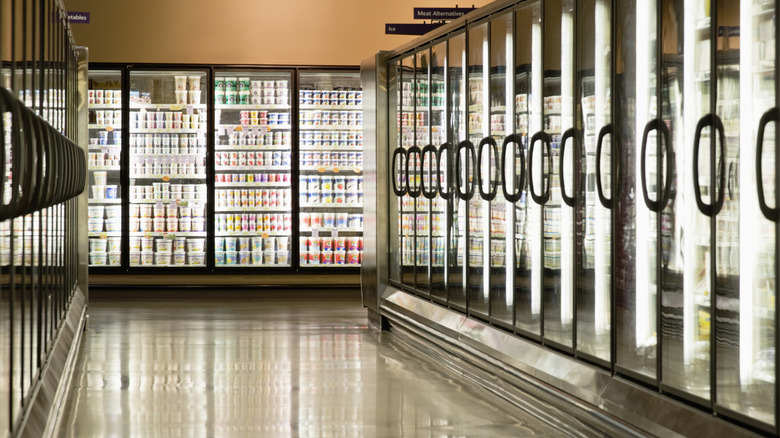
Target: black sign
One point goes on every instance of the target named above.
(78, 17)
(410, 28)
(440, 13)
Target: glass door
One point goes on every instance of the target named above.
(457, 217)
(252, 169)
(479, 206)
(594, 226)
(420, 162)
(331, 159)
(404, 178)
(104, 102)
(746, 336)
(639, 132)
(527, 221)
(439, 163)
(501, 127)
(168, 194)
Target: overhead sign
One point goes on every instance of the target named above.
(440, 13)
(78, 17)
(410, 28)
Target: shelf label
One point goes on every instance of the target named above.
(266, 235)
(238, 128)
(357, 170)
(166, 178)
(336, 170)
(335, 233)
(109, 128)
(104, 235)
(177, 107)
(315, 233)
(321, 169)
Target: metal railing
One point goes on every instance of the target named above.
(43, 170)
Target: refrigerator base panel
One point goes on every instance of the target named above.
(514, 368)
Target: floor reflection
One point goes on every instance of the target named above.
(266, 369)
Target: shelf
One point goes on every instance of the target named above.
(105, 234)
(331, 127)
(167, 131)
(175, 176)
(254, 209)
(231, 169)
(103, 127)
(104, 106)
(166, 200)
(331, 265)
(92, 168)
(100, 147)
(332, 206)
(340, 230)
(267, 127)
(168, 234)
(105, 201)
(331, 107)
(333, 169)
(251, 233)
(252, 148)
(251, 107)
(171, 155)
(168, 106)
(251, 184)
(253, 265)
(332, 148)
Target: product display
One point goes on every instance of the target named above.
(104, 102)
(253, 165)
(168, 191)
(330, 123)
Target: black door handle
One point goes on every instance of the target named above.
(714, 122)
(430, 152)
(519, 182)
(414, 190)
(773, 115)
(493, 189)
(469, 146)
(570, 133)
(545, 196)
(400, 192)
(664, 192)
(606, 202)
(445, 150)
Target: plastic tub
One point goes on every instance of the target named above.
(162, 258)
(180, 244)
(135, 258)
(97, 259)
(98, 245)
(113, 211)
(244, 257)
(95, 211)
(164, 245)
(114, 258)
(219, 258)
(179, 258)
(95, 225)
(197, 259)
(114, 224)
(231, 257)
(114, 244)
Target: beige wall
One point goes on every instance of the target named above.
(287, 32)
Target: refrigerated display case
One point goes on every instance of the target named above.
(104, 102)
(330, 144)
(168, 148)
(639, 176)
(253, 169)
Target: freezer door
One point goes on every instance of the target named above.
(457, 207)
(406, 179)
(420, 164)
(479, 207)
(438, 171)
(527, 214)
(501, 116)
(397, 179)
(638, 132)
(594, 225)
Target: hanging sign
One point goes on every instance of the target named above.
(440, 13)
(78, 17)
(410, 28)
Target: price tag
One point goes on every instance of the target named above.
(104, 235)
(321, 170)
(159, 204)
(266, 235)
(315, 233)
(357, 170)
(183, 203)
(335, 170)
(148, 235)
(109, 128)
(166, 178)
(335, 233)
(177, 107)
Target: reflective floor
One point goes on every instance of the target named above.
(267, 369)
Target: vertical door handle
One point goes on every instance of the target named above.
(714, 122)
(414, 190)
(492, 188)
(545, 196)
(469, 147)
(431, 153)
(402, 191)
(606, 202)
(514, 139)
(664, 192)
(773, 115)
(446, 194)
(570, 133)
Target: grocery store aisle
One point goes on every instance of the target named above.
(270, 369)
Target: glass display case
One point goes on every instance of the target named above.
(168, 190)
(253, 169)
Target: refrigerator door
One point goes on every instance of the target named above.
(457, 207)
(438, 172)
(638, 133)
(396, 137)
(558, 284)
(168, 193)
(252, 162)
(479, 207)
(420, 166)
(528, 214)
(104, 101)
(501, 115)
(594, 225)
(745, 335)
(404, 178)
(330, 139)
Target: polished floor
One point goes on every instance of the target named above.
(267, 369)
